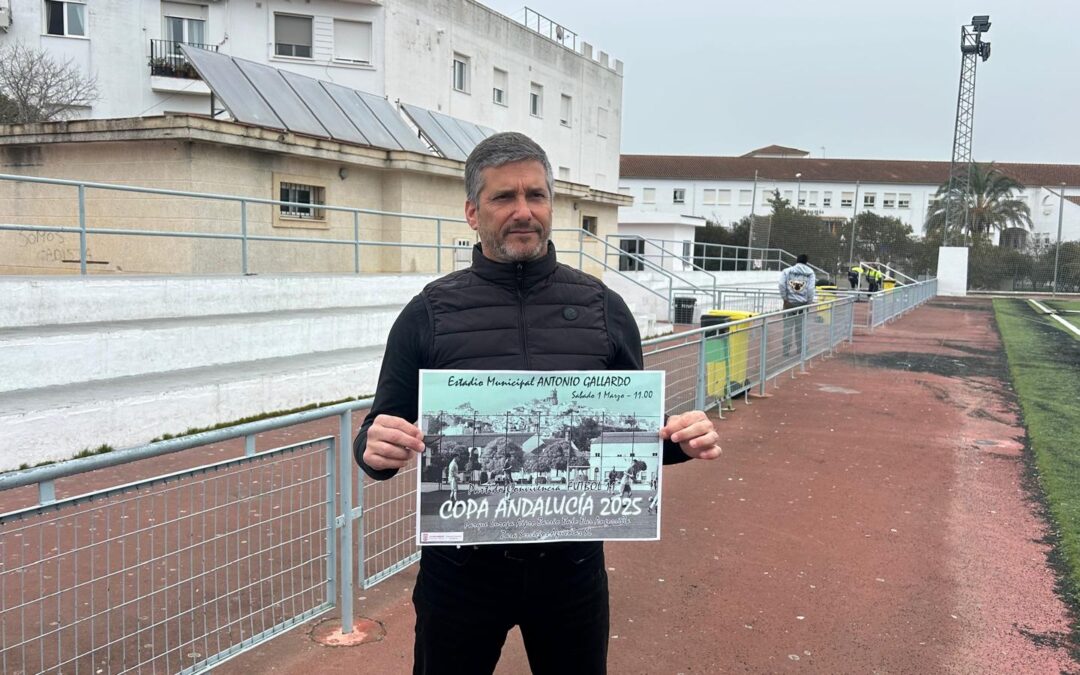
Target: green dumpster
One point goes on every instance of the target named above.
(726, 351)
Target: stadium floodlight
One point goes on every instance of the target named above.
(980, 23)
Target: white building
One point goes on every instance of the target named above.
(668, 188)
(453, 56)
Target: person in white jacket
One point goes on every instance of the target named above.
(797, 291)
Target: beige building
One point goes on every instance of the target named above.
(191, 153)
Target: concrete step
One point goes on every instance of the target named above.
(43, 356)
(54, 423)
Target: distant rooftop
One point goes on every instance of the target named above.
(777, 151)
(772, 168)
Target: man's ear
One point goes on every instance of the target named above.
(470, 215)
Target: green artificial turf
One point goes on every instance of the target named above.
(1044, 361)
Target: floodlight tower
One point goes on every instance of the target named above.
(972, 48)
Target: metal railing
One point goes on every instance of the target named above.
(166, 59)
(243, 204)
(181, 571)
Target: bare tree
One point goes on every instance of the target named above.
(36, 88)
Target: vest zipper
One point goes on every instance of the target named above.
(521, 313)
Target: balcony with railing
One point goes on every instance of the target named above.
(166, 59)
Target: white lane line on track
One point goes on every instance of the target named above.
(1068, 326)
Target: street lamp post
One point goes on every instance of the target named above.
(798, 189)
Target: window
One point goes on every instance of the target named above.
(745, 197)
(564, 173)
(686, 251)
(723, 197)
(869, 199)
(292, 35)
(678, 196)
(566, 109)
(588, 223)
(631, 260)
(889, 200)
(536, 100)
(812, 199)
(766, 195)
(708, 197)
(826, 199)
(847, 199)
(65, 18)
(788, 194)
(184, 24)
(623, 190)
(461, 73)
(352, 41)
(304, 194)
(648, 195)
(498, 90)
(601, 122)
(903, 200)
(802, 198)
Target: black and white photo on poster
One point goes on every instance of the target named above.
(523, 456)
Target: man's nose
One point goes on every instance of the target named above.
(521, 208)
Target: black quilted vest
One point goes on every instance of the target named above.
(537, 315)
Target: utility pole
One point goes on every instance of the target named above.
(1057, 250)
(972, 48)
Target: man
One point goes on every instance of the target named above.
(508, 475)
(451, 477)
(515, 308)
(853, 277)
(796, 290)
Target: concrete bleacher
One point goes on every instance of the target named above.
(119, 361)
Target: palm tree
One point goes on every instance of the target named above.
(990, 202)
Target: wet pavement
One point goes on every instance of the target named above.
(872, 516)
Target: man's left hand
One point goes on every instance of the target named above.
(695, 434)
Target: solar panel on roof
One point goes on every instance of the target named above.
(450, 126)
(393, 122)
(434, 132)
(281, 97)
(471, 130)
(230, 85)
(361, 116)
(324, 107)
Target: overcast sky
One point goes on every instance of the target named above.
(861, 78)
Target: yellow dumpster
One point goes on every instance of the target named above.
(726, 352)
(888, 284)
(824, 294)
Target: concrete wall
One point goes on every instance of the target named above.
(424, 35)
(191, 154)
(413, 46)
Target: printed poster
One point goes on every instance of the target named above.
(525, 456)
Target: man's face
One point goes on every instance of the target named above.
(513, 213)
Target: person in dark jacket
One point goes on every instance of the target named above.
(515, 308)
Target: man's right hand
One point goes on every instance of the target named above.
(391, 442)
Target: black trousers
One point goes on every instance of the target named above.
(467, 600)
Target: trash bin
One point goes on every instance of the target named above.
(888, 284)
(726, 352)
(684, 309)
(824, 294)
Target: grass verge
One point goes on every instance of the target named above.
(1045, 365)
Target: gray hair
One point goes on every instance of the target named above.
(499, 149)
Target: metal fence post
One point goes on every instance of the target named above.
(249, 445)
(346, 476)
(699, 395)
(438, 246)
(243, 235)
(804, 338)
(764, 355)
(82, 229)
(331, 521)
(356, 241)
